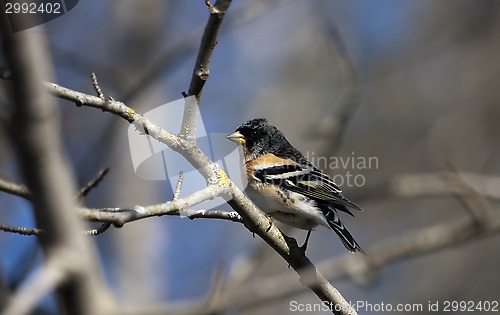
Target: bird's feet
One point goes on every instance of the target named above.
(271, 222)
(303, 248)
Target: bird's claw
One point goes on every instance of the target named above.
(271, 222)
(303, 248)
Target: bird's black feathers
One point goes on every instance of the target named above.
(342, 232)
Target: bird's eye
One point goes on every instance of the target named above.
(255, 133)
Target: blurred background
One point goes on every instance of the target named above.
(412, 84)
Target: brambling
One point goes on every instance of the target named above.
(286, 186)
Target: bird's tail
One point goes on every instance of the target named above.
(344, 235)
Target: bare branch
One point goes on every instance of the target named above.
(189, 44)
(97, 88)
(232, 216)
(202, 67)
(37, 232)
(46, 280)
(101, 229)
(120, 216)
(15, 189)
(92, 184)
(206, 167)
(36, 139)
(123, 215)
(213, 214)
(208, 42)
(178, 187)
(20, 230)
(209, 4)
(24, 192)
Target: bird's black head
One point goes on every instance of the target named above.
(258, 137)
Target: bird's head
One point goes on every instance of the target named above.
(258, 137)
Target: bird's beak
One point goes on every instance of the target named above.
(237, 137)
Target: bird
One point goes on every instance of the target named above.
(287, 187)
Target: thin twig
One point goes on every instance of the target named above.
(101, 229)
(20, 230)
(178, 187)
(24, 192)
(15, 189)
(213, 214)
(92, 183)
(210, 6)
(201, 69)
(208, 42)
(37, 232)
(96, 86)
(121, 216)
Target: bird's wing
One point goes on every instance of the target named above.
(303, 179)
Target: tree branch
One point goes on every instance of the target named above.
(123, 215)
(15, 189)
(92, 184)
(202, 68)
(37, 232)
(24, 192)
(20, 230)
(35, 137)
(46, 280)
(120, 216)
(189, 43)
(178, 187)
(213, 214)
(208, 42)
